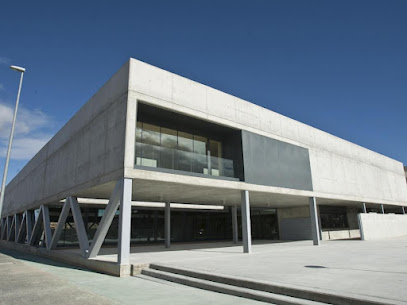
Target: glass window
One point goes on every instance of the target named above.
(185, 142)
(200, 164)
(200, 145)
(151, 134)
(216, 148)
(139, 129)
(168, 148)
(150, 156)
(216, 154)
(169, 138)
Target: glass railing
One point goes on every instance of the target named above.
(163, 157)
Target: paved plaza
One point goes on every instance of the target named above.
(365, 269)
(29, 279)
(348, 267)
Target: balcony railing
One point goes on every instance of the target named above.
(168, 158)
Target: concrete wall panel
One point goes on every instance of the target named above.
(339, 168)
(274, 163)
(380, 226)
(89, 147)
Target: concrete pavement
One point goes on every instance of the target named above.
(28, 279)
(22, 283)
(365, 269)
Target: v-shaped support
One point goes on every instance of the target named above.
(11, 229)
(71, 203)
(43, 219)
(20, 237)
(3, 228)
(106, 220)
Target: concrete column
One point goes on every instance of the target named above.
(319, 223)
(125, 223)
(167, 225)
(314, 220)
(382, 208)
(234, 224)
(403, 210)
(364, 208)
(246, 223)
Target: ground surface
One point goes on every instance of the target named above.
(352, 267)
(348, 267)
(28, 279)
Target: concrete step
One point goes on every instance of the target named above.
(227, 289)
(296, 292)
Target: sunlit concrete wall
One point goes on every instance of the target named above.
(97, 144)
(340, 169)
(87, 151)
(380, 226)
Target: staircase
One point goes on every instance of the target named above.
(252, 289)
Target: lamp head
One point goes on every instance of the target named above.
(17, 68)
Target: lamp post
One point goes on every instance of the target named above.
(3, 185)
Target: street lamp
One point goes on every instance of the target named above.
(3, 185)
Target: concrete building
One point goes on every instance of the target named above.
(154, 157)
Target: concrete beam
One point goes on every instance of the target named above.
(17, 224)
(22, 230)
(234, 224)
(246, 223)
(60, 225)
(79, 225)
(47, 226)
(3, 228)
(36, 230)
(314, 220)
(11, 228)
(106, 220)
(29, 220)
(125, 222)
(167, 225)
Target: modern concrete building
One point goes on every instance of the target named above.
(154, 157)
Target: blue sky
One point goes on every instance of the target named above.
(340, 66)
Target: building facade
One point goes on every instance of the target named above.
(155, 157)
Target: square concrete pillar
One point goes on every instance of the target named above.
(125, 223)
(314, 220)
(246, 223)
(167, 225)
(382, 208)
(234, 224)
(364, 208)
(403, 210)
